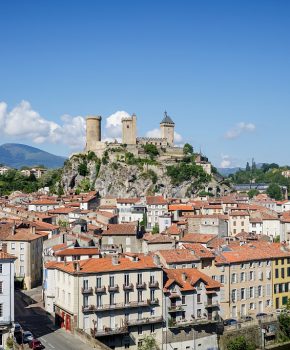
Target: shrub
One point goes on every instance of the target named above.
(151, 150)
(83, 169)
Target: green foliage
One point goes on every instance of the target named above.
(63, 223)
(274, 191)
(277, 239)
(13, 180)
(143, 222)
(284, 323)
(98, 166)
(84, 185)
(114, 165)
(205, 193)
(150, 174)
(91, 156)
(155, 229)
(240, 343)
(9, 342)
(151, 150)
(83, 169)
(252, 193)
(187, 149)
(185, 172)
(105, 158)
(149, 343)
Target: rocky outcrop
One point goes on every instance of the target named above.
(119, 179)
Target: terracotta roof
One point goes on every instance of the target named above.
(178, 256)
(183, 207)
(198, 250)
(44, 202)
(187, 279)
(128, 200)
(198, 237)
(157, 238)
(6, 256)
(59, 246)
(21, 234)
(239, 213)
(156, 200)
(41, 225)
(61, 210)
(105, 265)
(120, 229)
(78, 251)
(173, 230)
(106, 214)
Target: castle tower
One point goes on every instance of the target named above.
(93, 132)
(129, 130)
(167, 129)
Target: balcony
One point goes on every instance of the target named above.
(100, 289)
(129, 287)
(147, 320)
(141, 285)
(175, 308)
(109, 331)
(174, 295)
(153, 301)
(87, 290)
(192, 321)
(119, 306)
(88, 308)
(114, 288)
(153, 284)
(211, 303)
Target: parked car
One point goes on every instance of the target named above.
(261, 315)
(36, 344)
(17, 328)
(27, 337)
(246, 318)
(230, 322)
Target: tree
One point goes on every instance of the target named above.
(274, 191)
(187, 149)
(284, 323)
(155, 229)
(149, 343)
(151, 150)
(83, 169)
(248, 168)
(240, 343)
(252, 193)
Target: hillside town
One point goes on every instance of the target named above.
(120, 271)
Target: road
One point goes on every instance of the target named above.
(34, 319)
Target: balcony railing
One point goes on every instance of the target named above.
(100, 289)
(175, 308)
(87, 290)
(147, 320)
(129, 286)
(211, 303)
(88, 308)
(153, 284)
(186, 323)
(109, 331)
(141, 285)
(153, 301)
(114, 288)
(117, 306)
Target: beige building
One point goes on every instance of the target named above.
(26, 244)
(118, 300)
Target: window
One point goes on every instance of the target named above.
(127, 297)
(152, 328)
(21, 270)
(198, 313)
(242, 276)
(251, 292)
(252, 306)
(282, 273)
(1, 287)
(282, 261)
(21, 246)
(0, 268)
(260, 289)
(126, 279)
(276, 273)
(243, 293)
(234, 278)
(99, 282)
(183, 299)
(234, 295)
(284, 300)
(139, 278)
(152, 312)
(99, 300)
(252, 275)
(1, 310)
(140, 296)
(12, 246)
(112, 281)
(112, 298)
(152, 294)
(222, 278)
(198, 298)
(140, 331)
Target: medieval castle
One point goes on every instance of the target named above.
(129, 134)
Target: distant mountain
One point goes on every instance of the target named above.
(17, 155)
(228, 171)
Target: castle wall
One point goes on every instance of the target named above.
(129, 131)
(167, 132)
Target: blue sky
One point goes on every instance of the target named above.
(221, 69)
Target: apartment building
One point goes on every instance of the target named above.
(118, 300)
(6, 294)
(156, 206)
(130, 210)
(212, 224)
(26, 244)
(239, 221)
(192, 301)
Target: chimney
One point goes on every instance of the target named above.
(115, 260)
(13, 229)
(184, 277)
(76, 266)
(32, 230)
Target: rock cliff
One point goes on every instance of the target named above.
(124, 176)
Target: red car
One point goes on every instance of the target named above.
(36, 344)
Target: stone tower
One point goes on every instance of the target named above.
(129, 130)
(93, 132)
(167, 129)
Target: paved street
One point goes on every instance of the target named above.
(34, 318)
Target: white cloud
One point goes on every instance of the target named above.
(225, 162)
(157, 133)
(22, 122)
(239, 129)
(113, 127)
